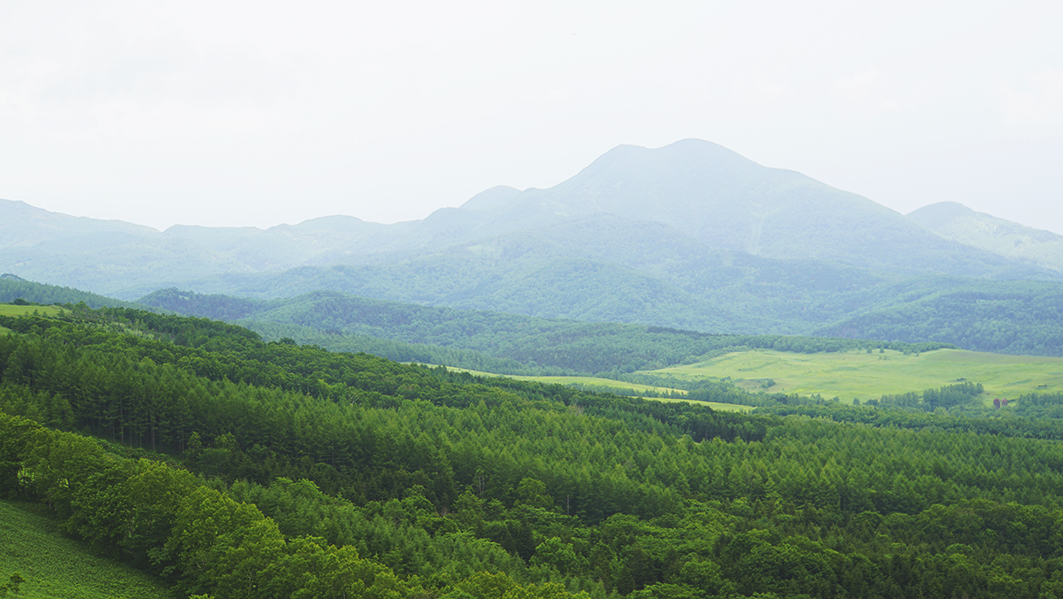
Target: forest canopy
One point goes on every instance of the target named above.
(235, 467)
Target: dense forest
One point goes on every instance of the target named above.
(1008, 317)
(234, 467)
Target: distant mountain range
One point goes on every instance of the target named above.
(690, 235)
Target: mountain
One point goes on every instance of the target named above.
(955, 221)
(691, 236)
(723, 200)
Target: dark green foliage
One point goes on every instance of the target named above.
(12, 586)
(950, 396)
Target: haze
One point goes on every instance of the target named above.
(255, 114)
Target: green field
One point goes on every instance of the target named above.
(593, 383)
(13, 310)
(856, 374)
(860, 375)
(57, 567)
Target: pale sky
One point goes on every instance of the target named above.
(261, 113)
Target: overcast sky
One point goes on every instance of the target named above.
(260, 113)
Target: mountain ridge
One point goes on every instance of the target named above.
(691, 235)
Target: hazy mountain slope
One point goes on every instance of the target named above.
(102, 256)
(1012, 240)
(691, 235)
(596, 267)
(22, 225)
(316, 241)
(557, 288)
(126, 260)
(727, 201)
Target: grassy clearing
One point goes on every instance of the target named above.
(13, 310)
(606, 384)
(850, 375)
(578, 380)
(61, 568)
(719, 407)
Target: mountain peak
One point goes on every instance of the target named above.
(936, 215)
(491, 199)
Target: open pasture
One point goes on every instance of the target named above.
(861, 375)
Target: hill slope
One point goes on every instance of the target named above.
(1009, 239)
(56, 566)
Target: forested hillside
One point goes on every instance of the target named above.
(1013, 317)
(238, 468)
(482, 340)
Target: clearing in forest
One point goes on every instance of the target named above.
(862, 375)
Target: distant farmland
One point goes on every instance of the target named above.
(861, 375)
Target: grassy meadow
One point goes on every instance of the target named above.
(599, 384)
(58, 567)
(861, 375)
(851, 375)
(13, 310)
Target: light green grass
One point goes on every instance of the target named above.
(850, 375)
(593, 382)
(720, 407)
(57, 567)
(13, 310)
